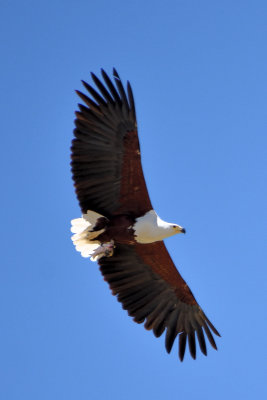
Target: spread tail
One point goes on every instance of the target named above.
(86, 230)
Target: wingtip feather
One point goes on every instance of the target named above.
(115, 73)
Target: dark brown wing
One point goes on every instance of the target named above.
(106, 163)
(147, 283)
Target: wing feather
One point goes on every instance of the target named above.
(171, 330)
(102, 89)
(182, 344)
(106, 161)
(201, 340)
(154, 293)
(111, 87)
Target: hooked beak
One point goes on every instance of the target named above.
(180, 229)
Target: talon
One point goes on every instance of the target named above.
(104, 250)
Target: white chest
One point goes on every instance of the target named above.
(150, 228)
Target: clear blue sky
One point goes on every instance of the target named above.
(198, 71)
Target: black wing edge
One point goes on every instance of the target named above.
(109, 94)
(107, 114)
(152, 301)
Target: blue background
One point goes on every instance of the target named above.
(198, 72)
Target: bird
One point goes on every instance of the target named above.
(119, 227)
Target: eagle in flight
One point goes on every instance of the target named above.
(119, 227)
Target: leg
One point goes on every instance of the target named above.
(104, 250)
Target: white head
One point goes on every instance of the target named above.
(169, 228)
(151, 228)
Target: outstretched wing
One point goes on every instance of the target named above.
(106, 162)
(147, 283)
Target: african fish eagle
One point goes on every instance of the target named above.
(119, 228)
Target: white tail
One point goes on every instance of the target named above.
(82, 227)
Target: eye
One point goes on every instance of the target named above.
(174, 226)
